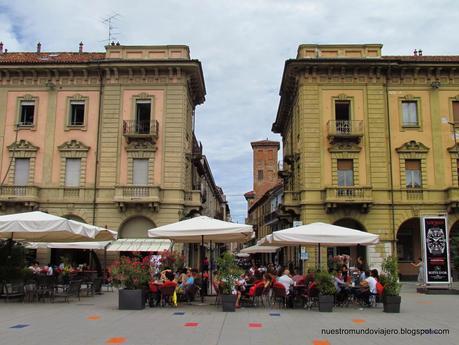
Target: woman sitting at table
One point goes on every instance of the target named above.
(154, 294)
(342, 288)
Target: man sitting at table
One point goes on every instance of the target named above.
(287, 282)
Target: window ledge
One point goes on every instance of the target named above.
(75, 127)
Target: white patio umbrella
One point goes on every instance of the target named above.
(43, 227)
(69, 245)
(320, 234)
(203, 229)
(259, 249)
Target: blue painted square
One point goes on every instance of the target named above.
(274, 314)
(20, 326)
(179, 313)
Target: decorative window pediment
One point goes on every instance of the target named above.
(136, 146)
(73, 145)
(344, 147)
(22, 145)
(413, 146)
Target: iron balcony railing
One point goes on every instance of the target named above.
(345, 128)
(140, 128)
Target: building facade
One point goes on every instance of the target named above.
(369, 142)
(104, 138)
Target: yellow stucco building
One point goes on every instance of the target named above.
(105, 138)
(369, 143)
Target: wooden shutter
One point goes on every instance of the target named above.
(21, 171)
(140, 172)
(456, 112)
(72, 172)
(412, 164)
(345, 164)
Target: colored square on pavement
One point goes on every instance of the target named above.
(179, 313)
(424, 302)
(85, 304)
(358, 321)
(320, 342)
(274, 314)
(255, 325)
(116, 340)
(20, 326)
(191, 324)
(93, 317)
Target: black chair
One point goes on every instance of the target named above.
(12, 290)
(167, 293)
(46, 287)
(30, 292)
(72, 290)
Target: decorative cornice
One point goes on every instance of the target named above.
(413, 147)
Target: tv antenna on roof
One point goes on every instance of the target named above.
(109, 21)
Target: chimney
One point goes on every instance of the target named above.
(415, 53)
(1, 47)
(420, 52)
(80, 49)
(38, 47)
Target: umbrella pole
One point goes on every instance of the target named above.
(210, 268)
(202, 269)
(318, 256)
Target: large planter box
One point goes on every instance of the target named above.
(326, 303)
(229, 302)
(392, 304)
(131, 299)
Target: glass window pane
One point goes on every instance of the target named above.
(140, 172)
(21, 171)
(410, 113)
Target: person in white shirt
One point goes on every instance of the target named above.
(286, 280)
(371, 283)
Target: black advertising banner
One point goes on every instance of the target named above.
(436, 260)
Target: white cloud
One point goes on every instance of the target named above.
(243, 46)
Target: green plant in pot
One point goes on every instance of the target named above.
(327, 290)
(228, 273)
(131, 275)
(392, 286)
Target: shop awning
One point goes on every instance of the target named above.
(139, 245)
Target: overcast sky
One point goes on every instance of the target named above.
(242, 45)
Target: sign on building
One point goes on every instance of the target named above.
(434, 235)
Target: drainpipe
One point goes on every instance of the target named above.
(386, 92)
(99, 123)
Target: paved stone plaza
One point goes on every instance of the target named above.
(96, 320)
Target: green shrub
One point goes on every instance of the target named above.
(325, 283)
(391, 284)
(228, 272)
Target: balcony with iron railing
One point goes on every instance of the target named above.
(346, 130)
(342, 196)
(146, 130)
(19, 194)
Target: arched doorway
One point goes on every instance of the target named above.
(355, 251)
(408, 248)
(454, 250)
(135, 227)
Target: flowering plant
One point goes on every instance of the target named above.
(171, 260)
(131, 273)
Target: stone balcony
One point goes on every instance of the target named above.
(292, 202)
(26, 195)
(348, 196)
(345, 130)
(452, 198)
(131, 195)
(140, 130)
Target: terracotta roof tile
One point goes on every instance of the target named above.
(49, 57)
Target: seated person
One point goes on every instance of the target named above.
(240, 288)
(342, 288)
(286, 281)
(154, 295)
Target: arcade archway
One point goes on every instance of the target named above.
(408, 248)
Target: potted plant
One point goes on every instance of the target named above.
(391, 295)
(327, 291)
(228, 273)
(131, 275)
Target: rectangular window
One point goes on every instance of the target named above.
(410, 113)
(21, 171)
(345, 172)
(76, 117)
(72, 172)
(27, 113)
(143, 115)
(260, 175)
(456, 113)
(140, 172)
(413, 173)
(342, 110)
